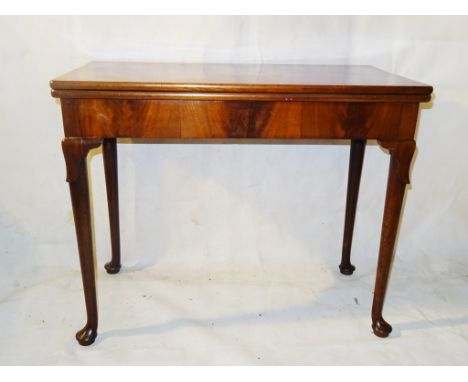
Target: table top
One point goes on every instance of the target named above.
(237, 78)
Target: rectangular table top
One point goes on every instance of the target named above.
(237, 78)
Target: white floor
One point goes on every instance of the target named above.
(267, 314)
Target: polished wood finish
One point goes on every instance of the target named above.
(356, 159)
(75, 151)
(109, 154)
(239, 104)
(238, 119)
(237, 78)
(401, 155)
(285, 97)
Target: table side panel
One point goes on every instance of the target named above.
(183, 119)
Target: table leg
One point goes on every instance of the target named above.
(401, 155)
(109, 154)
(356, 158)
(75, 151)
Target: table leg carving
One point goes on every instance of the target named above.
(356, 158)
(401, 155)
(75, 151)
(109, 154)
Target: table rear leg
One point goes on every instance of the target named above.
(75, 151)
(401, 155)
(109, 153)
(356, 159)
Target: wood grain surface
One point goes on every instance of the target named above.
(236, 78)
(237, 119)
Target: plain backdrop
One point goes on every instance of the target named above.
(230, 252)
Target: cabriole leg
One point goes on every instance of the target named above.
(401, 155)
(75, 151)
(109, 153)
(356, 158)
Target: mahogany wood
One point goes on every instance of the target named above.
(401, 155)
(237, 78)
(238, 119)
(356, 158)
(240, 104)
(75, 151)
(109, 154)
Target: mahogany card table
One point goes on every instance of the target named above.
(236, 103)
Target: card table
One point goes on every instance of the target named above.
(236, 103)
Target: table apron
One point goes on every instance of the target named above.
(193, 119)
